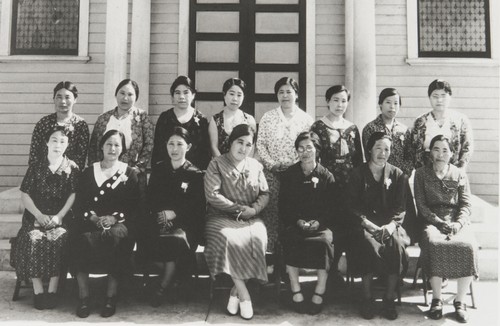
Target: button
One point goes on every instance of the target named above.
(121, 215)
(108, 185)
(101, 192)
(96, 199)
(86, 214)
(114, 177)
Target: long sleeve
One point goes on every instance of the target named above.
(464, 204)
(159, 151)
(97, 133)
(36, 144)
(148, 142)
(398, 205)
(263, 138)
(80, 145)
(466, 142)
(355, 191)
(213, 185)
(263, 197)
(421, 201)
(357, 158)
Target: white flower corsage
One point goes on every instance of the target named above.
(184, 186)
(70, 128)
(315, 181)
(353, 134)
(402, 138)
(197, 120)
(137, 118)
(121, 178)
(387, 183)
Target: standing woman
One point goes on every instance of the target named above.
(278, 130)
(376, 193)
(136, 126)
(65, 96)
(441, 121)
(177, 202)
(236, 191)
(106, 209)
(222, 123)
(389, 102)
(48, 192)
(184, 115)
(449, 248)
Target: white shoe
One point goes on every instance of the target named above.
(246, 309)
(232, 305)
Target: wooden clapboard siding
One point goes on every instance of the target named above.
(475, 93)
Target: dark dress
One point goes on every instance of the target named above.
(222, 136)
(92, 248)
(439, 200)
(199, 153)
(381, 202)
(181, 191)
(78, 139)
(39, 252)
(309, 198)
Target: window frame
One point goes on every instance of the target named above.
(6, 37)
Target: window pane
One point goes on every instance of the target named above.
(211, 81)
(453, 27)
(45, 27)
(217, 51)
(264, 81)
(276, 52)
(276, 23)
(217, 22)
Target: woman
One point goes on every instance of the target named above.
(376, 192)
(306, 210)
(48, 192)
(449, 249)
(278, 130)
(236, 191)
(104, 227)
(136, 126)
(222, 123)
(186, 116)
(340, 153)
(389, 102)
(177, 202)
(65, 95)
(441, 121)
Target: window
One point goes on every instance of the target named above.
(44, 29)
(453, 28)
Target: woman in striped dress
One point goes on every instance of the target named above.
(236, 190)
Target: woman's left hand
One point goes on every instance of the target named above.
(108, 221)
(313, 225)
(247, 212)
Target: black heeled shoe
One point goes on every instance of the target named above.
(298, 307)
(367, 308)
(316, 308)
(38, 301)
(436, 311)
(50, 300)
(461, 312)
(83, 309)
(389, 309)
(109, 308)
(157, 297)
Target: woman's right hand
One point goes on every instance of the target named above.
(43, 220)
(445, 228)
(278, 167)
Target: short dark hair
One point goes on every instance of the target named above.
(54, 129)
(378, 135)
(439, 84)
(182, 80)
(337, 89)
(108, 135)
(286, 81)
(240, 131)
(313, 137)
(126, 82)
(181, 132)
(441, 138)
(386, 92)
(66, 85)
(233, 82)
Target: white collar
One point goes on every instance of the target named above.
(99, 176)
(53, 167)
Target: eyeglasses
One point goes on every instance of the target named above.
(305, 149)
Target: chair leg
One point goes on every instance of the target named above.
(471, 287)
(424, 288)
(398, 291)
(15, 296)
(415, 277)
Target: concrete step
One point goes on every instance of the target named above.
(487, 232)
(10, 225)
(482, 210)
(10, 201)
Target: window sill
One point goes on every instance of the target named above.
(484, 62)
(44, 58)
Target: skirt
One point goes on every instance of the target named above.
(236, 248)
(269, 214)
(453, 258)
(170, 246)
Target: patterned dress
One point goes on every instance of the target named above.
(78, 139)
(307, 198)
(381, 202)
(91, 247)
(456, 126)
(439, 200)
(199, 154)
(235, 247)
(222, 135)
(400, 134)
(276, 144)
(39, 252)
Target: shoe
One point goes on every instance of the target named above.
(233, 305)
(157, 297)
(50, 300)
(39, 301)
(389, 309)
(367, 308)
(246, 309)
(298, 306)
(315, 308)
(436, 311)
(461, 312)
(83, 309)
(109, 308)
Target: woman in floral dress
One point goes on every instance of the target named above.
(278, 130)
(65, 97)
(48, 192)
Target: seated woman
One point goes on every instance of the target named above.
(48, 192)
(376, 193)
(237, 191)
(177, 202)
(105, 211)
(449, 248)
(305, 208)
